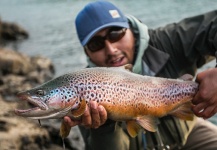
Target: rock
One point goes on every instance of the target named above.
(19, 72)
(12, 32)
(74, 141)
(12, 62)
(15, 131)
(18, 133)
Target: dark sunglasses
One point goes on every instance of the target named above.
(113, 35)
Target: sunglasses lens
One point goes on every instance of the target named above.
(116, 34)
(113, 35)
(95, 44)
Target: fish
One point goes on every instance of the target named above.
(138, 100)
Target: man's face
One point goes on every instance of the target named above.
(113, 54)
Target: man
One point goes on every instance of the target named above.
(111, 39)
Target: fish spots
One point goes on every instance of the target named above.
(92, 95)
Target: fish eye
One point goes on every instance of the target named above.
(40, 93)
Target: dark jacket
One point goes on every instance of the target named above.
(173, 50)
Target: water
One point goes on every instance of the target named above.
(50, 24)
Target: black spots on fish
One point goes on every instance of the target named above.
(57, 90)
(173, 96)
(75, 86)
(88, 92)
(81, 84)
(92, 95)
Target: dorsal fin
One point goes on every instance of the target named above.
(128, 67)
(80, 111)
(186, 77)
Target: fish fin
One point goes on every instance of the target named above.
(133, 128)
(148, 122)
(128, 67)
(186, 77)
(183, 112)
(64, 130)
(78, 112)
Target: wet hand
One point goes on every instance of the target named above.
(94, 116)
(205, 100)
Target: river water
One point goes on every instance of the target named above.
(50, 24)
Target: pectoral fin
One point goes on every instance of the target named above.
(133, 128)
(78, 112)
(64, 130)
(184, 112)
(148, 122)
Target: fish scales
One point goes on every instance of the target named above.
(125, 96)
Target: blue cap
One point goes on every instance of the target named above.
(95, 16)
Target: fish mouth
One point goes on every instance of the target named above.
(39, 107)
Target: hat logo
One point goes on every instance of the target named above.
(114, 13)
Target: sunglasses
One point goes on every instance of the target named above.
(113, 35)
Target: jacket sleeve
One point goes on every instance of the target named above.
(188, 44)
(189, 41)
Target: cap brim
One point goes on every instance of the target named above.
(91, 34)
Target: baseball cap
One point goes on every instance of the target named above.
(96, 16)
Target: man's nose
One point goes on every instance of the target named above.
(109, 47)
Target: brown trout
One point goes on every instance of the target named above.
(126, 96)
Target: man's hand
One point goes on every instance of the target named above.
(94, 116)
(205, 100)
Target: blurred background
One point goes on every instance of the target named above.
(50, 24)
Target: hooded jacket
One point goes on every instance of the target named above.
(170, 52)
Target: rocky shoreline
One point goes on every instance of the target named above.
(20, 72)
